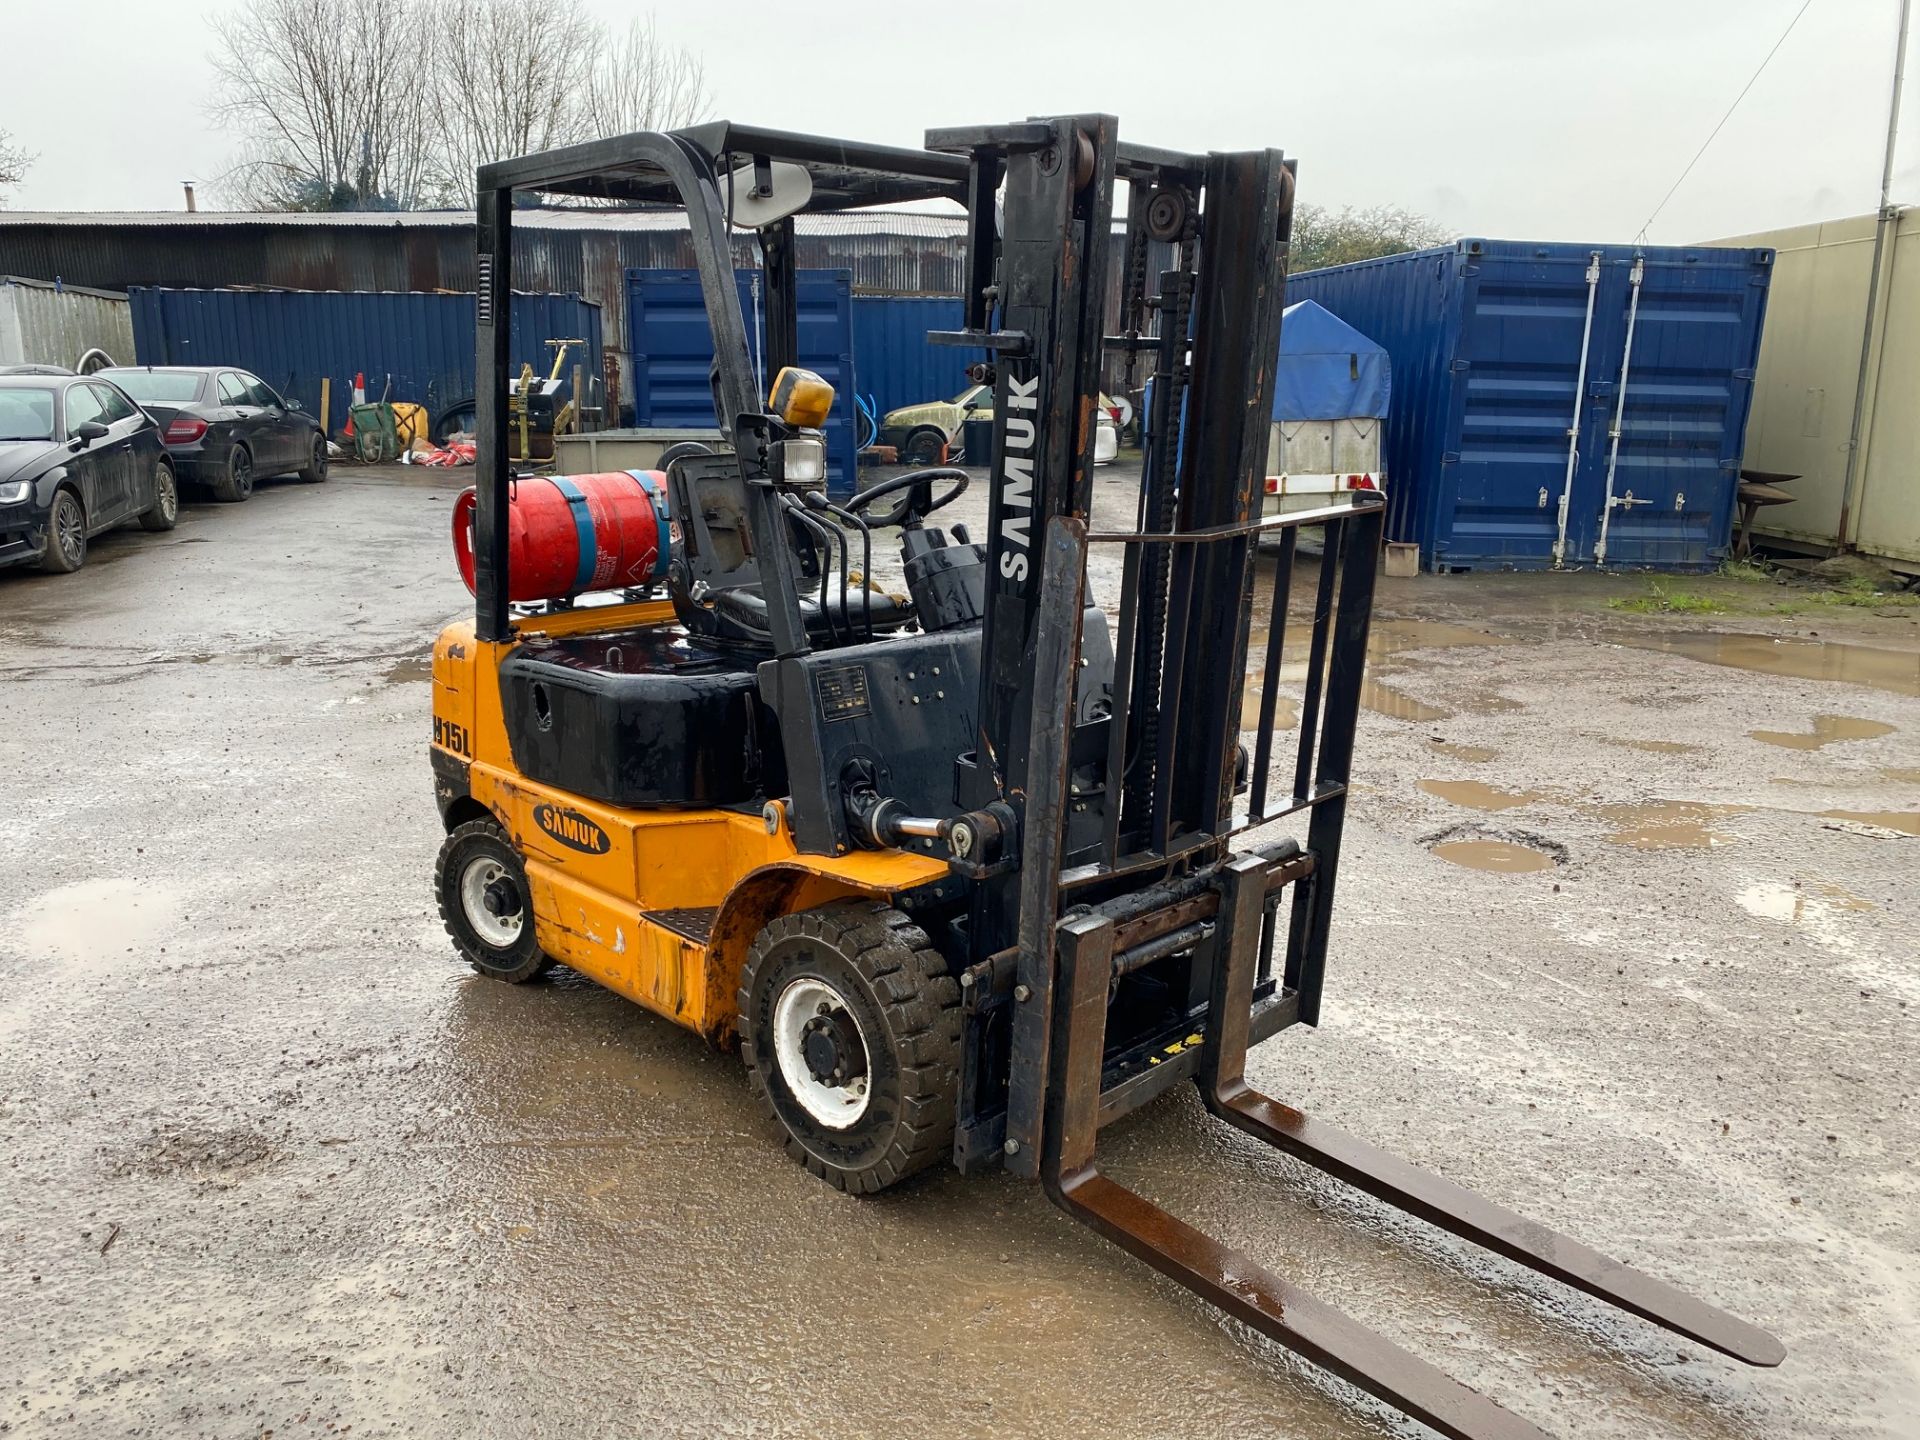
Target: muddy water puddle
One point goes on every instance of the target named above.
(1650, 747)
(1668, 824)
(416, 667)
(1900, 775)
(1386, 639)
(1897, 671)
(1477, 796)
(1502, 857)
(1827, 730)
(96, 919)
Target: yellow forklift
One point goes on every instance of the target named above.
(970, 871)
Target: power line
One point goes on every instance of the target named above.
(1724, 118)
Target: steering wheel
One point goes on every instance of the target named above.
(919, 501)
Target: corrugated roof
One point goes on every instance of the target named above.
(869, 222)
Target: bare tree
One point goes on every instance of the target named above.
(13, 165)
(1325, 237)
(507, 80)
(327, 96)
(510, 86)
(641, 83)
(374, 104)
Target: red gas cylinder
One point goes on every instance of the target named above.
(568, 534)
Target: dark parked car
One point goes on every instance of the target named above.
(225, 428)
(76, 457)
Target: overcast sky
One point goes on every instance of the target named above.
(1511, 118)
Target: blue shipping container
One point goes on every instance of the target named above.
(1508, 363)
(293, 338)
(892, 361)
(673, 351)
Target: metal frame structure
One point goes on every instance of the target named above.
(1107, 900)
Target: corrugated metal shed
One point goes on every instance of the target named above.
(292, 339)
(1809, 372)
(46, 324)
(1493, 359)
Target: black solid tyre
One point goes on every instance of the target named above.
(66, 548)
(315, 470)
(476, 857)
(166, 499)
(923, 447)
(904, 1010)
(233, 481)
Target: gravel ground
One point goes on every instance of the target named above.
(275, 1163)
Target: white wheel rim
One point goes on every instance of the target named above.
(502, 932)
(835, 1106)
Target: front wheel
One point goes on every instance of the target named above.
(166, 500)
(485, 903)
(315, 470)
(66, 548)
(924, 447)
(850, 1028)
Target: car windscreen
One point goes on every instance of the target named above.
(157, 387)
(25, 414)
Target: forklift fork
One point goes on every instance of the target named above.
(1084, 955)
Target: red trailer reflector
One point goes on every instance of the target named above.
(569, 534)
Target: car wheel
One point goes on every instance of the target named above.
(316, 467)
(233, 482)
(924, 447)
(166, 500)
(66, 548)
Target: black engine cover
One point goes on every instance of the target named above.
(642, 718)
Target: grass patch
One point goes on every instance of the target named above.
(1746, 571)
(1663, 600)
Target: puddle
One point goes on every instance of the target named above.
(1502, 857)
(1827, 730)
(1472, 754)
(1386, 638)
(1385, 700)
(1652, 747)
(1894, 670)
(418, 667)
(1900, 776)
(1771, 900)
(1476, 796)
(1907, 822)
(1286, 713)
(1669, 824)
(96, 918)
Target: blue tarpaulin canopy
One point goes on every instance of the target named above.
(1328, 370)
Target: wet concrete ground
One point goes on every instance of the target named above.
(274, 1162)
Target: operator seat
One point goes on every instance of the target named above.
(715, 581)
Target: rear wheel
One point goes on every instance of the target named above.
(66, 548)
(233, 481)
(485, 903)
(850, 1027)
(166, 500)
(315, 470)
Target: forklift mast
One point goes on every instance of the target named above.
(1132, 898)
